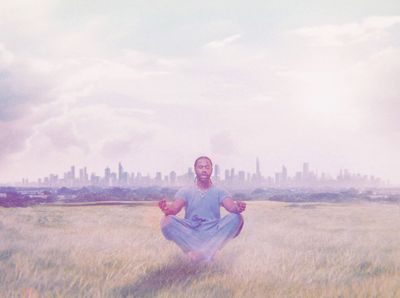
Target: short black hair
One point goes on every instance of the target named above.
(202, 157)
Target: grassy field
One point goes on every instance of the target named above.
(284, 250)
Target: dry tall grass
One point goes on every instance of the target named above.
(284, 250)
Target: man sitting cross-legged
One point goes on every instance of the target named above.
(202, 232)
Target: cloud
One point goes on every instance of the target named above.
(220, 43)
(6, 56)
(376, 86)
(21, 85)
(23, 88)
(222, 143)
(371, 29)
(122, 148)
(63, 135)
(12, 138)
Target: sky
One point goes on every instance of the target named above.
(154, 84)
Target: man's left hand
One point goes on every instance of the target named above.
(241, 206)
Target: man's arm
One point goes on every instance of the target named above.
(171, 208)
(233, 207)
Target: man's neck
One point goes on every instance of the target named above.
(204, 184)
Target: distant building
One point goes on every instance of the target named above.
(227, 178)
(73, 174)
(120, 172)
(190, 174)
(258, 171)
(172, 178)
(242, 176)
(306, 173)
(107, 176)
(284, 175)
(158, 178)
(216, 172)
(277, 179)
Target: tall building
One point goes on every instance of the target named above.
(107, 176)
(258, 171)
(131, 178)
(190, 174)
(306, 171)
(216, 172)
(227, 178)
(73, 172)
(172, 177)
(83, 176)
(139, 177)
(242, 176)
(277, 179)
(284, 175)
(120, 172)
(113, 178)
(298, 177)
(158, 178)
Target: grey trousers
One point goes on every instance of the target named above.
(206, 237)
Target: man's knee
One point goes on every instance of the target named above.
(166, 222)
(239, 221)
(237, 218)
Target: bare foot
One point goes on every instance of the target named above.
(195, 256)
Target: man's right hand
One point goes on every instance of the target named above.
(163, 206)
(172, 208)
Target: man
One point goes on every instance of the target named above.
(202, 232)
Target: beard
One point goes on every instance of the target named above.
(203, 177)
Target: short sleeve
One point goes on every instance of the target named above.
(223, 194)
(181, 194)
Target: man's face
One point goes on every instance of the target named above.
(203, 169)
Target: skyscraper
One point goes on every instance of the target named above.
(306, 172)
(284, 175)
(83, 176)
(172, 177)
(277, 179)
(73, 174)
(227, 178)
(158, 177)
(190, 174)
(107, 176)
(120, 172)
(258, 172)
(216, 172)
(242, 176)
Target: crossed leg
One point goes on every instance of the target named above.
(199, 249)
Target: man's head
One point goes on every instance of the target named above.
(203, 168)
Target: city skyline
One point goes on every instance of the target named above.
(155, 85)
(305, 177)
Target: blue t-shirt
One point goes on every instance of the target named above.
(202, 205)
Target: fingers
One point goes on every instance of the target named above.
(241, 205)
(162, 204)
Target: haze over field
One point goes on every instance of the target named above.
(284, 250)
(155, 85)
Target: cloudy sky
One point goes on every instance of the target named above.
(154, 84)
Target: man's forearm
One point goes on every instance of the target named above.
(171, 210)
